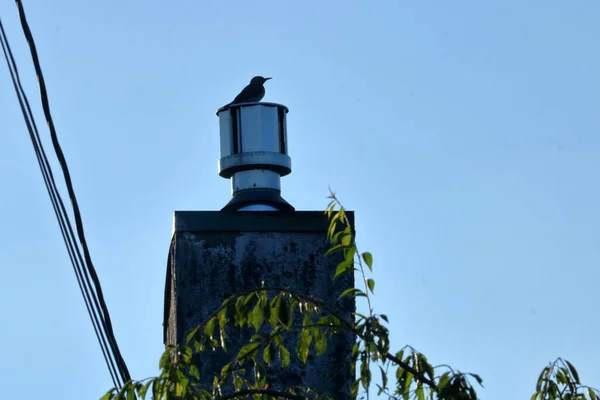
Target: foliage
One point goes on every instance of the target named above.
(273, 314)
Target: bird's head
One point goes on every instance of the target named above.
(258, 80)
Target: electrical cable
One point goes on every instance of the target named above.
(57, 203)
(55, 198)
(94, 299)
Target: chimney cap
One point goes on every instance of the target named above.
(257, 103)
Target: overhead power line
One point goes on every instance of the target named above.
(83, 267)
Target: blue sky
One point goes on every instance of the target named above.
(464, 134)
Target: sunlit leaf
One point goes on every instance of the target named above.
(258, 316)
(248, 350)
(344, 267)
(333, 249)
(209, 328)
(349, 253)
(109, 395)
(267, 354)
(222, 323)
(420, 394)
(352, 291)
(142, 392)
(274, 310)
(371, 285)
(347, 239)
(342, 214)
(368, 258)
(191, 335)
(194, 371)
(303, 345)
(284, 355)
(339, 236)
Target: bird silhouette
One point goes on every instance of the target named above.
(254, 92)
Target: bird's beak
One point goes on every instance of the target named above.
(266, 79)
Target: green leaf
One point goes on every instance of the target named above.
(191, 335)
(120, 395)
(420, 393)
(408, 381)
(342, 214)
(307, 320)
(339, 236)
(240, 316)
(573, 372)
(320, 342)
(180, 387)
(354, 388)
(383, 378)
(443, 381)
(355, 350)
(347, 239)
(592, 393)
(258, 316)
(248, 297)
(478, 379)
(365, 373)
(304, 345)
(560, 377)
(248, 350)
(538, 387)
(384, 317)
(284, 314)
(284, 355)
(400, 355)
(142, 392)
(194, 371)
(186, 354)
(267, 354)
(260, 375)
(274, 311)
(343, 267)
(349, 252)
(335, 248)
(109, 395)
(368, 258)
(222, 323)
(371, 284)
(330, 209)
(353, 291)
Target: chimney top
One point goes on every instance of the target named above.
(254, 155)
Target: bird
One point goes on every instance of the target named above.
(254, 92)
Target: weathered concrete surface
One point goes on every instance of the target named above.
(238, 251)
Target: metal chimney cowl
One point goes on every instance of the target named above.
(254, 155)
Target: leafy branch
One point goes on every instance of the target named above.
(279, 316)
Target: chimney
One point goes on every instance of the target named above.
(254, 155)
(257, 239)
